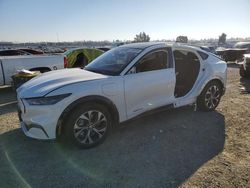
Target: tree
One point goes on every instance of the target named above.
(142, 37)
(182, 39)
(222, 39)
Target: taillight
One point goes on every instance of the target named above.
(65, 62)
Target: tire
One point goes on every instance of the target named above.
(210, 97)
(82, 127)
(242, 72)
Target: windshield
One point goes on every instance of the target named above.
(113, 61)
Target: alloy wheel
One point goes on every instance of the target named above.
(90, 127)
(212, 97)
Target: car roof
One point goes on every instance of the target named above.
(145, 45)
(142, 45)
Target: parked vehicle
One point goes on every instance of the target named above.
(81, 105)
(9, 65)
(52, 50)
(32, 51)
(80, 57)
(245, 67)
(231, 54)
(12, 52)
(105, 49)
(243, 45)
(236, 53)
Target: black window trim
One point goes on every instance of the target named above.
(200, 54)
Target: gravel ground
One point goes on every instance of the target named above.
(174, 148)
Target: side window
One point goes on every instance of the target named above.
(185, 56)
(153, 61)
(203, 55)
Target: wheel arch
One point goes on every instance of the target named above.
(41, 69)
(218, 80)
(87, 99)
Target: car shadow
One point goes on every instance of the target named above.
(245, 85)
(160, 150)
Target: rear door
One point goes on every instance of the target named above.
(149, 83)
(190, 72)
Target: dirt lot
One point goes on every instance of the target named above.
(180, 147)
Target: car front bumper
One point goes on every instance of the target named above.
(34, 131)
(37, 121)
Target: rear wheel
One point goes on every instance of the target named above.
(88, 125)
(210, 97)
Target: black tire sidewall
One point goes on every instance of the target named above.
(74, 115)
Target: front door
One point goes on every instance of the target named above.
(149, 84)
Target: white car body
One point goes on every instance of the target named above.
(131, 94)
(9, 65)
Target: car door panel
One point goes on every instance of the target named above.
(148, 90)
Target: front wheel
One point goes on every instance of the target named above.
(88, 125)
(210, 97)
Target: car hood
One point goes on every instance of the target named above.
(47, 82)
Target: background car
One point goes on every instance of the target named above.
(235, 54)
(13, 52)
(80, 57)
(32, 51)
(243, 45)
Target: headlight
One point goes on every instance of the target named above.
(46, 100)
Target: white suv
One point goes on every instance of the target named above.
(81, 104)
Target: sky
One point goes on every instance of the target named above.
(78, 20)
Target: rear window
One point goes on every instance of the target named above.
(203, 55)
